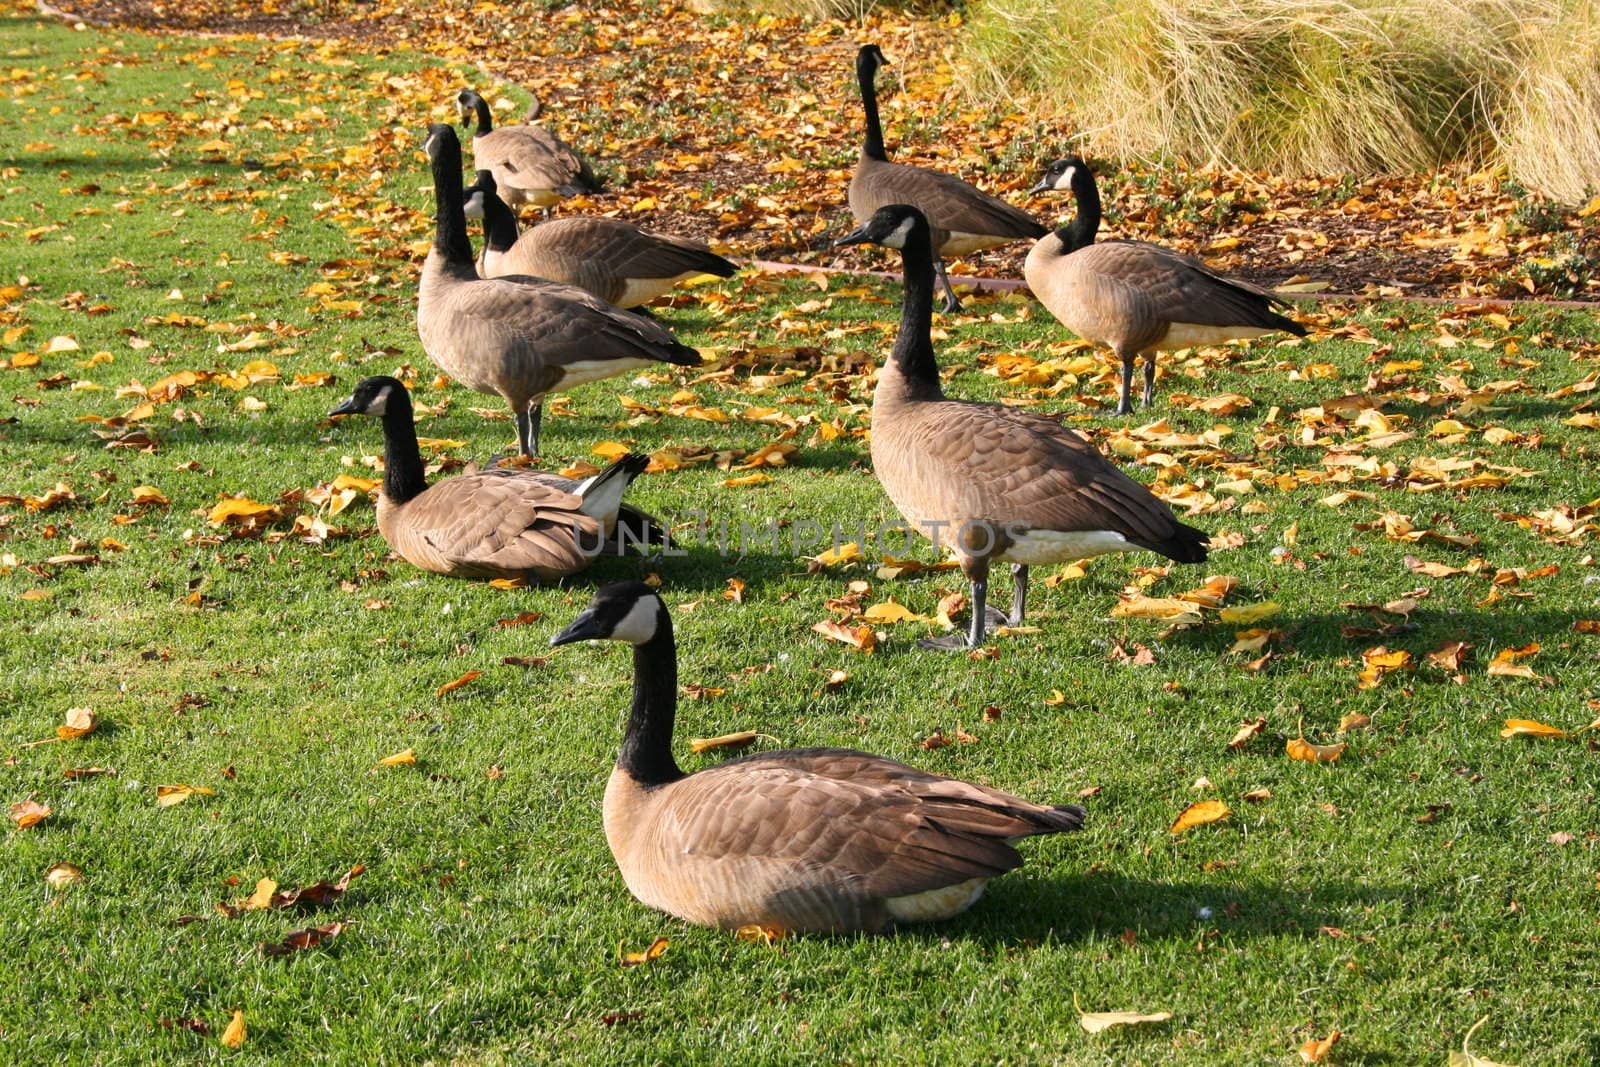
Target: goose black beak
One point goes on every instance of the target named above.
(346, 408)
(584, 628)
(1042, 187)
(857, 236)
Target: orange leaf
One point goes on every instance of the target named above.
(518, 582)
(168, 795)
(1315, 1051)
(242, 510)
(234, 1035)
(1247, 729)
(80, 721)
(398, 759)
(1198, 814)
(633, 959)
(861, 637)
(1300, 749)
(1504, 661)
(1530, 728)
(465, 679)
(26, 813)
(262, 897)
(759, 932)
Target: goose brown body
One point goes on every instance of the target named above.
(962, 217)
(530, 164)
(611, 259)
(991, 483)
(818, 839)
(519, 337)
(1134, 297)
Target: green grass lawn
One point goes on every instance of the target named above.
(165, 199)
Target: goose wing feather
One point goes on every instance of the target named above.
(504, 521)
(951, 204)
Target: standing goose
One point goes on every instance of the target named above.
(1135, 297)
(519, 337)
(532, 165)
(812, 839)
(988, 482)
(964, 218)
(614, 260)
(498, 523)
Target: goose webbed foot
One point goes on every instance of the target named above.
(946, 643)
(995, 618)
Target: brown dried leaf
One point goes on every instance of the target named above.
(859, 637)
(1247, 729)
(465, 679)
(80, 721)
(299, 940)
(26, 813)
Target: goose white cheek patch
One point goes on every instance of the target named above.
(380, 403)
(473, 207)
(897, 239)
(1065, 181)
(639, 625)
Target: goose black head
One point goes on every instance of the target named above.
(625, 611)
(474, 195)
(1060, 175)
(889, 226)
(870, 58)
(467, 102)
(442, 143)
(373, 396)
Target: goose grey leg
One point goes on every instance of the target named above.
(1019, 593)
(528, 422)
(951, 304)
(973, 638)
(1125, 405)
(1149, 380)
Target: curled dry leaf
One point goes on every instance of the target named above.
(1467, 1059)
(465, 679)
(80, 721)
(1505, 661)
(733, 740)
(1354, 720)
(1315, 1051)
(26, 813)
(299, 940)
(1096, 1021)
(1198, 814)
(168, 795)
(1247, 729)
(1056, 698)
(1379, 661)
(521, 618)
(1300, 749)
(399, 759)
(759, 932)
(890, 611)
(634, 959)
(848, 552)
(62, 875)
(234, 1035)
(836, 678)
(859, 637)
(1256, 796)
(1530, 728)
(735, 591)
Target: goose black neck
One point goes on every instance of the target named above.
(485, 119)
(866, 76)
(646, 753)
(402, 459)
(1080, 232)
(449, 217)
(499, 224)
(913, 348)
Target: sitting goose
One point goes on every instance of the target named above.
(519, 337)
(993, 483)
(964, 218)
(811, 839)
(532, 165)
(613, 259)
(498, 523)
(1134, 296)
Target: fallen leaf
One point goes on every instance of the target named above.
(234, 1035)
(399, 759)
(262, 897)
(1247, 729)
(890, 612)
(62, 875)
(237, 510)
(1379, 661)
(521, 618)
(1095, 1021)
(168, 795)
(1315, 1051)
(1504, 662)
(1300, 749)
(848, 552)
(80, 721)
(1249, 613)
(299, 940)
(465, 679)
(1465, 1058)
(26, 813)
(733, 740)
(634, 959)
(1256, 796)
(860, 637)
(1452, 655)
(1530, 728)
(758, 932)
(1354, 720)
(1198, 814)
(1056, 698)
(518, 582)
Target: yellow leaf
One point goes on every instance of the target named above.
(141, 495)
(80, 721)
(450, 687)
(1354, 720)
(1247, 729)
(848, 552)
(758, 932)
(734, 740)
(1315, 1051)
(262, 897)
(1249, 613)
(1198, 814)
(1166, 609)
(26, 813)
(518, 582)
(62, 875)
(861, 637)
(168, 795)
(1056, 698)
(1096, 1021)
(61, 343)
(242, 509)
(234, 1035)
(657, 947)
(610, 450)
(1504, 661)
(399, 759)
(35, 594)
(889, 611)
(1530, 728)
(1299, 748)
(749, 479)
(438, 443)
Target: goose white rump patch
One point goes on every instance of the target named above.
(1188, 334)
(1038, 547)
(937, 904)
(959, 244)
(592, 370)
(638, 291)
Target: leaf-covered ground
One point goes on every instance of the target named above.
(208, 242)
(743, 130)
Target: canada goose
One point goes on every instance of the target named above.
(497, 523)
(1136, 297)
(964, 218)
(532, 165)
(811, 839)
(519, 337)
(988, 482)
(613, 259)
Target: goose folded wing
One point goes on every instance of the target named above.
(503, 520)
(559, 324)
(534, 154)
(1171, 287)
